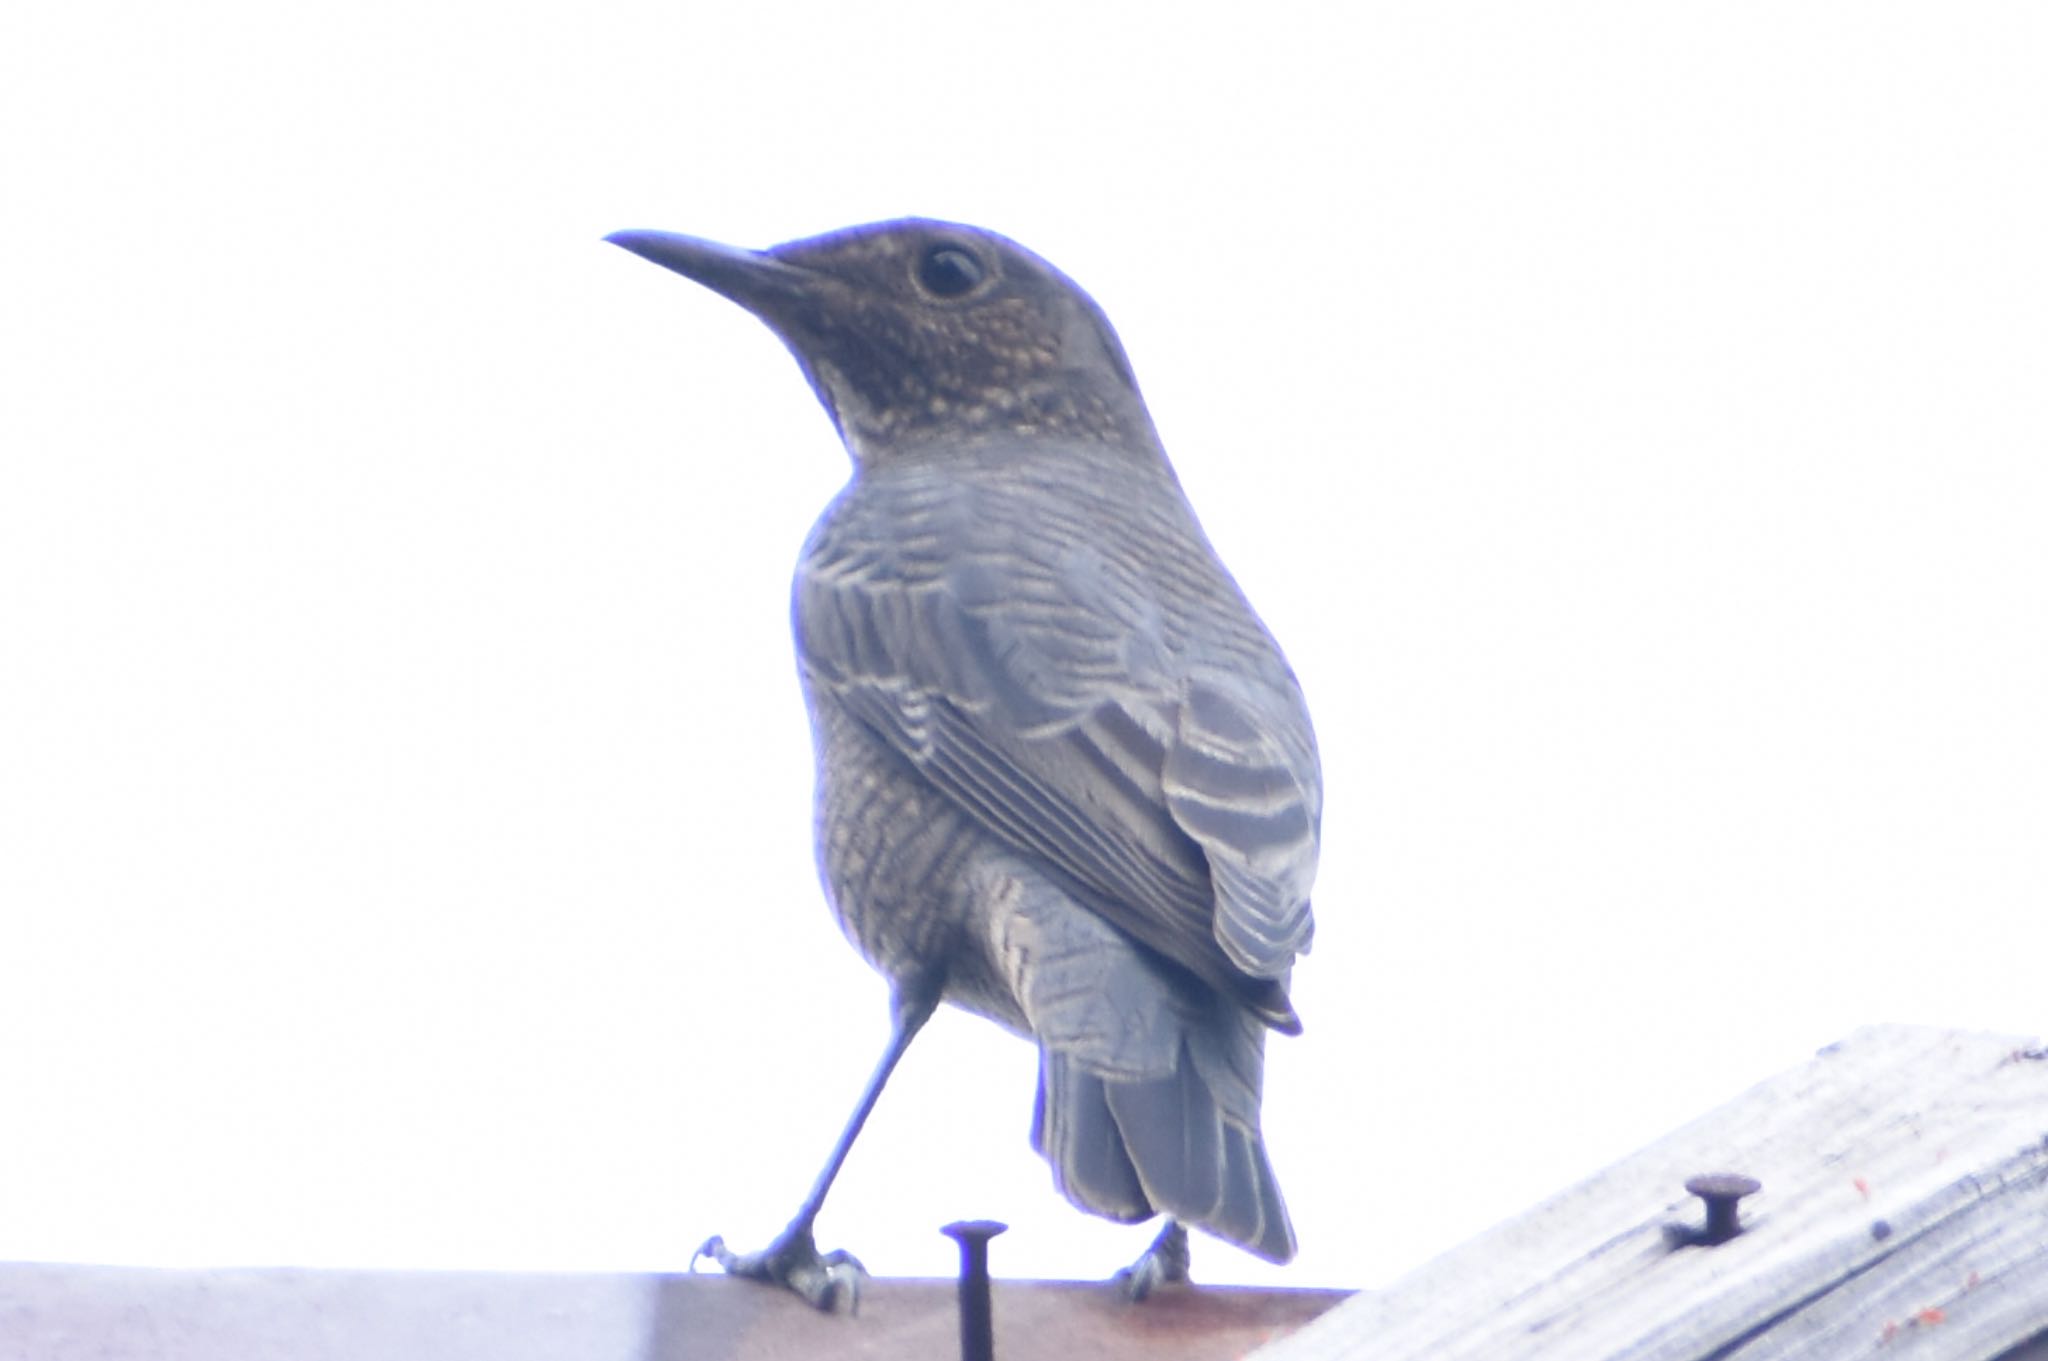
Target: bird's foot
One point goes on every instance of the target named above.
(824, 1280)
(1166, 1260)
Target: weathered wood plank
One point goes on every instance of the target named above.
(1904, 1213)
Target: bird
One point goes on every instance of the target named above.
(1065, 777)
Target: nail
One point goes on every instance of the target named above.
(977, 1322)
(1723, 1192)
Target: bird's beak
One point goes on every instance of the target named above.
(764, 285)
(789, 298)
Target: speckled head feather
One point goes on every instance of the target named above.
(916, 331)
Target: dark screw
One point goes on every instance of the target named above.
(1722, 1191)
(977, 1322)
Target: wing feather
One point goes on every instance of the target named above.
(1070, 664)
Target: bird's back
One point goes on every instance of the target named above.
(1044, 633)
(1011, 658)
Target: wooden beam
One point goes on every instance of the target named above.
(56, 1312)
(1903, 1214)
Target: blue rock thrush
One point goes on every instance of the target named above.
(1065, 778)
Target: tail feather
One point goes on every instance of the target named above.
(1175, 1138)
(1129, 1149)
(1074, 1131)
(1148, 1081)
(1199, 1166)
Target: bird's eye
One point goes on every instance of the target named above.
(949, 271)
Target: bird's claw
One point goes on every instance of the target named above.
(713, 1246)
(1166, 1260)
(824, 1280)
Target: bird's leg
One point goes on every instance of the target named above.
(1166, 1260)
(793, 1260)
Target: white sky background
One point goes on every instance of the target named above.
(1631, 417)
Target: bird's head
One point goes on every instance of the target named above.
(918, 333)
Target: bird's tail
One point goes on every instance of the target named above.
(1186, 1142)
(1148, 1079)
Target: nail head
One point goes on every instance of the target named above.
(974, 1230)
(1723, 1186)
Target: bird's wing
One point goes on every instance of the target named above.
(1095, 694)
